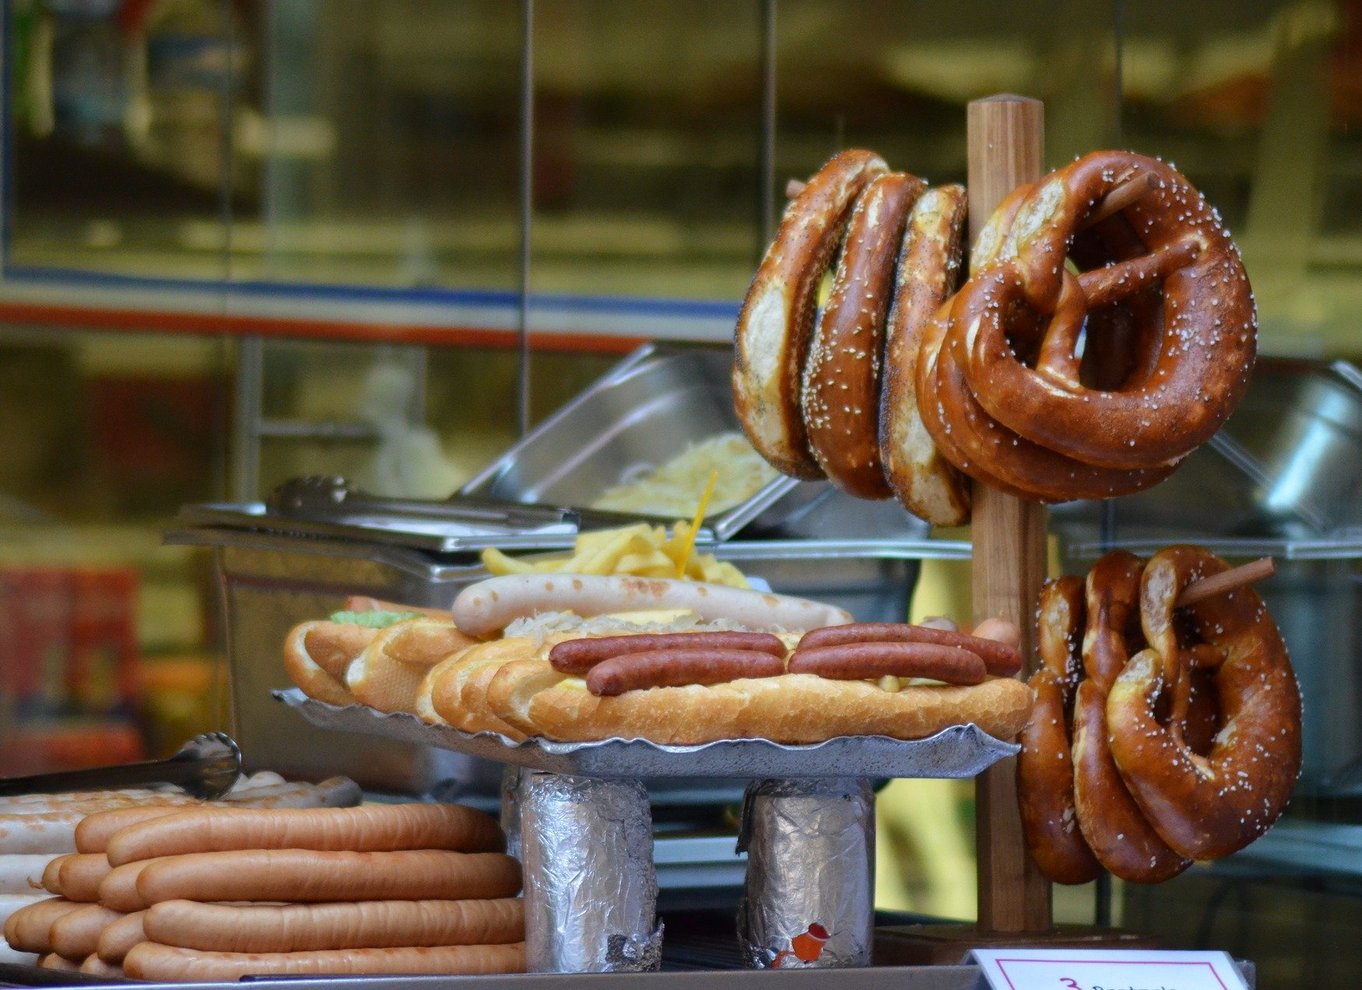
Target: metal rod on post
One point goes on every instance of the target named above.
(1006, 145)
(526, 214)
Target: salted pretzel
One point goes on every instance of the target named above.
(772, 334)
(1045, 772)
(840, 383)
(1015, 334)
(1115, 828)
(1206, 805)
(983, 448)
(928, 272)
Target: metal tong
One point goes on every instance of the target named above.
(331, 497)
(207, 766)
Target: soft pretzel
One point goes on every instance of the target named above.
(777, 313)
(928, 271)
(1206, 806)
(983, 448)
(1045, 772)
(1011, 377)
(1113, 825)
(840, 384)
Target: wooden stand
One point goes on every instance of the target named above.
(1006, 147)
(1006, 137)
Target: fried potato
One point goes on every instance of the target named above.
(640, 549)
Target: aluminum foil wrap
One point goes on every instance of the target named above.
(809, 899)
(586, 846)
(510, 809)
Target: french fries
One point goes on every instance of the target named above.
(642, 549)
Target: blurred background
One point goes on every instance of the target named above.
(245, 241)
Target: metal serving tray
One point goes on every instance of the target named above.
(958, 751)
(431, 532)
(271, 581)
(644, 411)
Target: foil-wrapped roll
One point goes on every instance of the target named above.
(510, 808)
(809, 897)
(586, 847)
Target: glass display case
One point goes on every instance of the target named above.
(246, 240)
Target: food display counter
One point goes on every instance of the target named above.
(570, 700)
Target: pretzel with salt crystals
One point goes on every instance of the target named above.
(1045, 773)
(1114, 827)
(1209, 805)
(772, 334)
(923, 480)
(840, 385)
(1055, 385)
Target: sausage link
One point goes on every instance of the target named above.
(577, 656)
(1000, 659)
(171, 964)
(675, 668)
(368, 828)
(80, 875)
(76, 933)
(306, 875)
(855, 661)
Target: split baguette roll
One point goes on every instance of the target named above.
(317, 654)
(340, 925)
(153, 961)
(368, 828)
(305, 875)
(458, 692)
(424, 708)
(790, 708)
(388, 673)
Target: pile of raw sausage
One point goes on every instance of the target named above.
(38, 829)
(1163, 732)
(588, 657)
(216, 893)
(1095, 343)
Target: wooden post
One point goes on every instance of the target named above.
(1006, 147)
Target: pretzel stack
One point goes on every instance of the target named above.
(1106, 329)
(218, 893)
(1164, 731)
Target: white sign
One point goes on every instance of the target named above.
(1107, 969)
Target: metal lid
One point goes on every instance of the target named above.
(430, 527)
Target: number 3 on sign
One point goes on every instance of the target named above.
(1105, 969)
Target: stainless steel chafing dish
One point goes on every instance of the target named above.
(297, 556)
